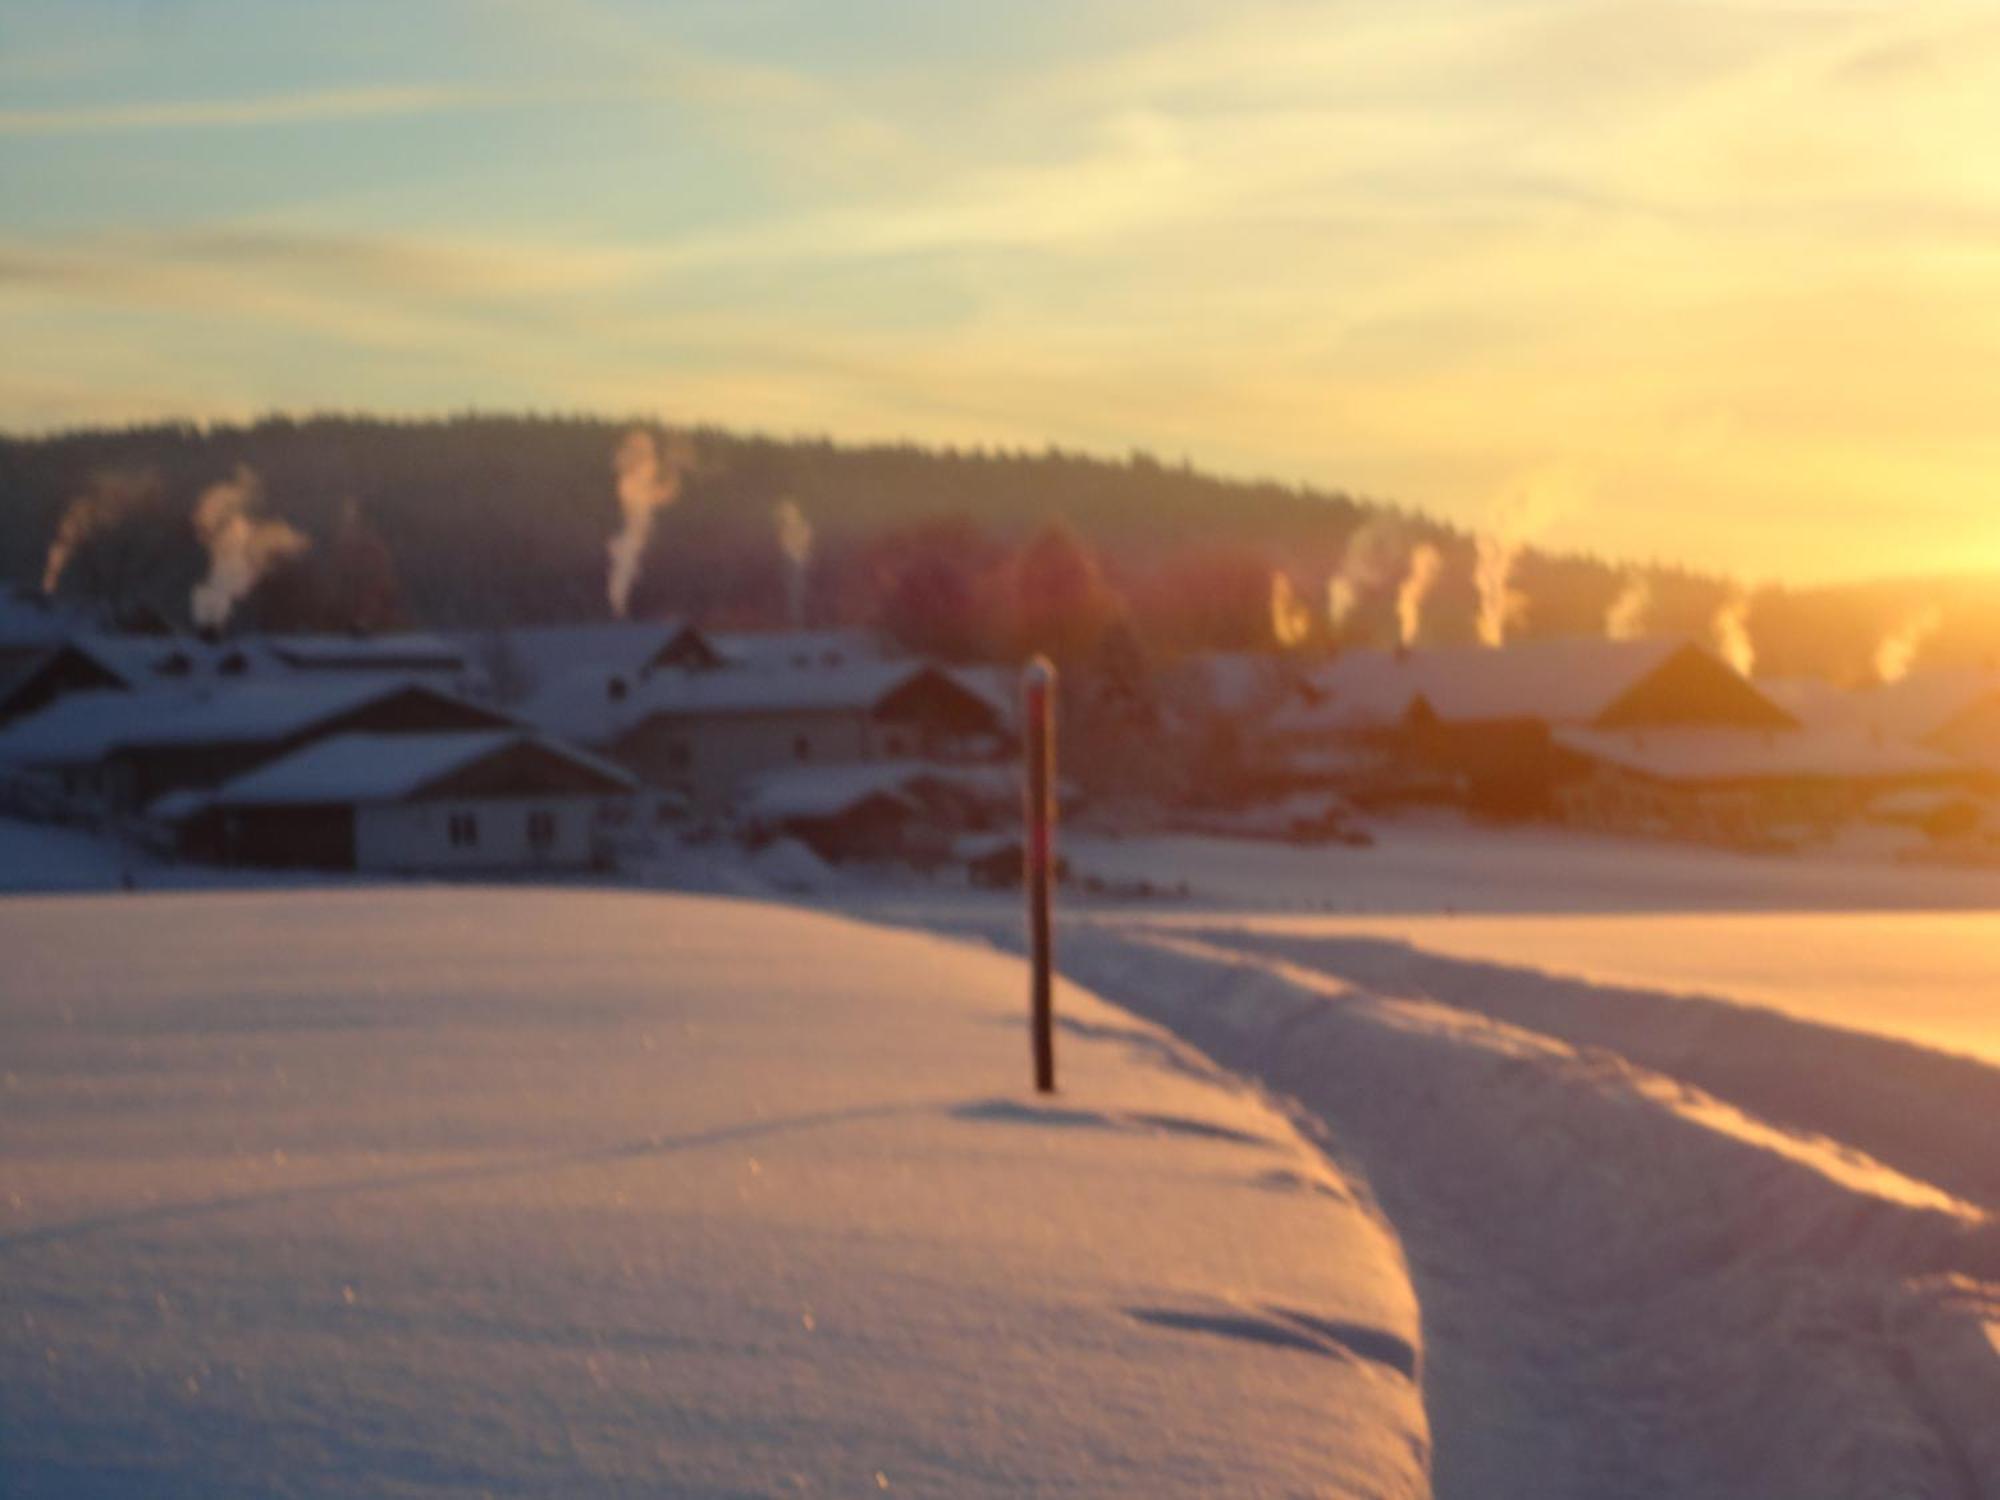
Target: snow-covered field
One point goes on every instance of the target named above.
(460, 1191)
(1694, 1158)
(1735, 1242)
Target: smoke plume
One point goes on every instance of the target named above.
(1732, 634)
(1626, 619)
(1371, 562)
(1500, 603)
(795, 540)
(1291, 621)
(1426, 562)
(109, 500)
(242, 544)
(648, 482)
(1522, 513)
(1898, 651)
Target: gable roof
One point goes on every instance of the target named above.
(1563, 681)
(546, 654)
(372, 767)
(799, 650)
(83, 728)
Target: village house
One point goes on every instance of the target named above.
(1485, 718)
(910, 811)
(117, 751)
(461, 800)
(708, 734)
(1740, 788)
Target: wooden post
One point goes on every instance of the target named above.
(1039, 749)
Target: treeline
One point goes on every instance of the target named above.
(479, 520)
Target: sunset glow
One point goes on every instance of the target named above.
(1731, 265)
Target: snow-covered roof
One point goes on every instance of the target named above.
(81, 728)
(797, 650)
(1925, 703)
(408, 651)
(1233, 682)
(546, 654)
(372, 767)
(823, 791)
(1710, 755)
(28, 619)
(856, 688)
(828, 791)
(1564, 681)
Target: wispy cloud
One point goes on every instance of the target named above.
(313, 106)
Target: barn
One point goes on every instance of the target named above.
(480, 800)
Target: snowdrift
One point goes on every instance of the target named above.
(1724, 1307)
(433, 1191)
(1913, 1107)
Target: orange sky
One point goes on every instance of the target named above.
(1715, 281)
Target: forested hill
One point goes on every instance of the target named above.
(480, 519)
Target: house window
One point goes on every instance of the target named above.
(463, 830)
(802, 748)
(541, 830)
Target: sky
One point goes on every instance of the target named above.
(1713, 281)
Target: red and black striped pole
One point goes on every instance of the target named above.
(1039, 747)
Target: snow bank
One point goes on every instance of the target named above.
(45, 857)
(430, 1191)
(1927, 976)
(1700, 1303)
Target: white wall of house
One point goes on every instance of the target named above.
(419, 835)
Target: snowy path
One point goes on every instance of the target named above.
(1631, 1286)
(441, 1192)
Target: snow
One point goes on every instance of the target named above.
(1922, 977)
(459, 1191)
(828, 790)
(370, 767)
(795, 650)
(1696, 1179)
(45, 857)
(1723, 755)
(855, 686)
(1442, 865)
(1564, 681)
(1631, 1286)
(407, 651)
(81, 728)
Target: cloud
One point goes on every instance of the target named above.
(318, 105)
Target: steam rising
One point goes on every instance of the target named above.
(795, 540)
(1500, 603)
(242, 545)
(1522, 513)
(1371, 561)
(1732, 634)
(648, 482)
(1626, 619)
(1426, 562)
(1898, 651)
(108, 501)
(1291, 621)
